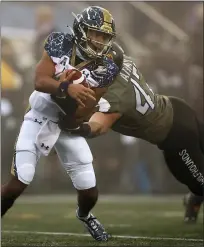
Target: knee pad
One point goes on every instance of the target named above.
(25, 173)
(23, 166)
(82, 176)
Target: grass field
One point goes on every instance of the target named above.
(136, 221)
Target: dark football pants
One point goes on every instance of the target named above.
(183, 148)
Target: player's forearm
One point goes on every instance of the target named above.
(88, 130)
(46, 84)
(98, 124)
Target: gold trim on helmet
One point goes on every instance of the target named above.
(107, 24)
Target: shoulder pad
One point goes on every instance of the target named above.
(54, 43)
(116, 53)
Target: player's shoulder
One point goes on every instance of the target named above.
(56, 37)
(117, 54)
(58, 43)
(103, 71)
(109, 103)
(109, 65)
(128, 61)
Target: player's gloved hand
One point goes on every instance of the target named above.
(80, 93)
(69, 125)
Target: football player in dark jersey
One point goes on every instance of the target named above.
(84, 49)
(130, 107)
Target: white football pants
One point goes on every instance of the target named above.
(73, 152)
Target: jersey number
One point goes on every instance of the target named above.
(139, 91)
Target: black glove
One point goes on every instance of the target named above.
(69, 125)
(66, 122)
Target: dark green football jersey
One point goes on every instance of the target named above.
(145, 115)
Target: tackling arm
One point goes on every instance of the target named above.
(98, 124)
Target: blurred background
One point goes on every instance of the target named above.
(165, 38)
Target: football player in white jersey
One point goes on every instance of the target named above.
(86, 48)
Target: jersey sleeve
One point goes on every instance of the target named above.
(54, 43)
(110, 102)
(105, 73)
(106, 105)
(115, 100)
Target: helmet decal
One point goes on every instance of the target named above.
(107, 22)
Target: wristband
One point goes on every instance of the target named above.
(62, 89)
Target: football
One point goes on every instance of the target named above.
(75, 76)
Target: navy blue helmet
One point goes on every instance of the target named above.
(94, 31)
